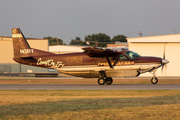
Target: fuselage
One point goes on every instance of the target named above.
(81, 65)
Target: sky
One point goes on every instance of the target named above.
(68, 19)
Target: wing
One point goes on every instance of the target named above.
(99, 52)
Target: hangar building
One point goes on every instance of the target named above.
(7, 64)
(159, 46)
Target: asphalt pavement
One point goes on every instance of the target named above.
(89, 87)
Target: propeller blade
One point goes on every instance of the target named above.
(164, 57)
(162, 69)
(165, 66)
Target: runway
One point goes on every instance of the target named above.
(89, 87)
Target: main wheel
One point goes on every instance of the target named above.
(154, 80)
(109, 81)
(101, 81)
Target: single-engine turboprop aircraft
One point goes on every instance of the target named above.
(94, 62)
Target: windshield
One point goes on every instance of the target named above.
(132, 55)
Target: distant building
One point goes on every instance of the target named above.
(167, 46)
(118, 44)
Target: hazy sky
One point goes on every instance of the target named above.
(67, 19)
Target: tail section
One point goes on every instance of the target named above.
(22, 48)
(20, 45)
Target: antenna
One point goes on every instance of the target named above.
(172, 31)
(140, 34)
(57, 41)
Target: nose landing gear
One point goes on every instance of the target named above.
(154, 80)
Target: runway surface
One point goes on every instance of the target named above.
(89, 87)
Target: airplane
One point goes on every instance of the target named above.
(93, 62)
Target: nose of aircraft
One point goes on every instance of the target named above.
(164, 61)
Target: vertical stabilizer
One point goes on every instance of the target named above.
(22, 48)
(20, 45)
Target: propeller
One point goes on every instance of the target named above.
(164, 61)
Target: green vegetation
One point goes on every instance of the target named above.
(77, 41)
(54, 41)
(100, 40)
(90, 104)
(120, 38)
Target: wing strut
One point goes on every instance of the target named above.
(108, 60)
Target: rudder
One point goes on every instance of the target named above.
(20, 45)
(22, 48)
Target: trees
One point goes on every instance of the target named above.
(54, 41)
(99, 40)
(77, 41)
(120, 38)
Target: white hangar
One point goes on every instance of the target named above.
(167, 46)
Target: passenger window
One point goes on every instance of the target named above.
(122, 57)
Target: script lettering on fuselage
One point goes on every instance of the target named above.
(26, 51)
(50, 63)
(117, 64)
(125, 63)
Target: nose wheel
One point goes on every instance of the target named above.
(154, 80)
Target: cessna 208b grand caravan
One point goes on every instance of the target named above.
(94, 62)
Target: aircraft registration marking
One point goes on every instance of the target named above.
(26, 51)
(117, 64)
(50, 63)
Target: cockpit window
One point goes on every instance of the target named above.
(132, 55)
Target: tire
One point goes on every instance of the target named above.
(154, 80)
(109, 81)
(101, 81)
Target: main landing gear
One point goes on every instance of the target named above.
(103, 79)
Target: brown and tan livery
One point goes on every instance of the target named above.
(93, 62)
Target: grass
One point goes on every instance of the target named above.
(90, 104)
